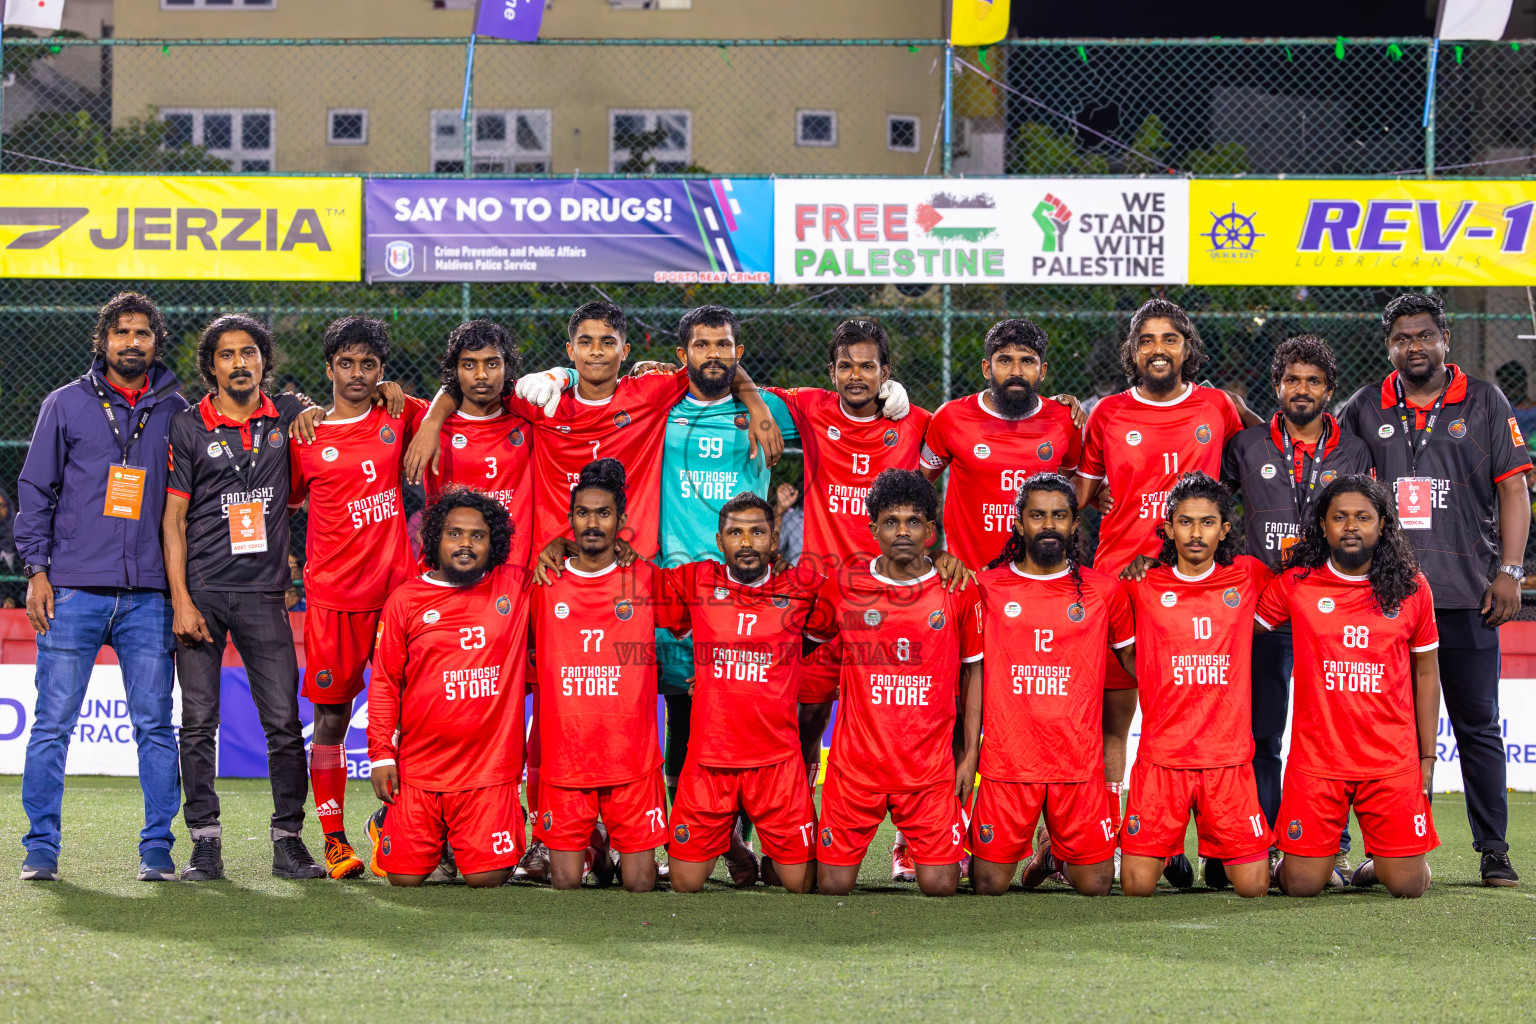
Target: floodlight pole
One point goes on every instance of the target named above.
(947, 168)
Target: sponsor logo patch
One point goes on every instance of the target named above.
(515, 437)
(936, 619)
(214, 450)
(504, 605)
(460, 441)
(1458, 428)
(330, 454)
(780, 601)
(721, 593)
(548, 821)
(872, 617)
(562, 610)
(741, 421)
(1268, 471)
(890, 438)
(1231, 598)
(1013, 609)
(624, 610)
(386, 435)
(1327, 476)
(621, 418)
(834, 433)
(982, 451)
(431, 615)
(985, 833)
(1325, 604)
(275, 439)
(826, 837)
(1203, 433)
(1293, 830)
(1043, 453)
(1385, 430)
(680, 833)
(1133, 824)
(1169, 599)
(1075, 612)
(324, 679)
(1133, 437)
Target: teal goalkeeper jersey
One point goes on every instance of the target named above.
(703, 466)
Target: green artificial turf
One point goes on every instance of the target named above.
(99, 945)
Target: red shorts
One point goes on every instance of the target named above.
(1115, 678)
(1394, 815)
(774, 796)
(635, 814)
(337, 646)
(1225, 802)
(850, 814)
(820, 674)
(1077, 815)
(484, 827)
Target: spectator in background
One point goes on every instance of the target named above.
(1514, 382)
(294, 598)
(10, 559)
(791, 521)
(88, 532)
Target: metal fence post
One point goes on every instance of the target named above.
(1429, 109)
(948, 167)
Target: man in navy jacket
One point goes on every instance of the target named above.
(91, 495)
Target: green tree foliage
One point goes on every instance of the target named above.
(77, 140)
(1226, 158)
(1040, 149)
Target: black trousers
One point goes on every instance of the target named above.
(1469, 681)
(258, 625)
(1271, 676)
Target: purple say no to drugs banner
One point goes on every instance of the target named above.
(710, 231)
(510, 19)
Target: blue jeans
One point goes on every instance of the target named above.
(137, 623)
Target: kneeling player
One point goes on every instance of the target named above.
(749, 624)
(1193, 653)
(904, 639)
(1367, 694)
(1046, 625)
(445, 704)
(595, 634)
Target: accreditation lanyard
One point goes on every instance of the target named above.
(1411, 436)
(117, 433)
(1302, 495)
(255, 425)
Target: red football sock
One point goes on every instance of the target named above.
(328, 778)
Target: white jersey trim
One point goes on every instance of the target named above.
(1122, 643)
(930, 574)
(613, 566)
(1195, 579)
(345, 422)
(479, 419)
(765, 578)
(981, 400)
(1189, 389)
(1267, 625)
(1426, 647)
(972, 660)
(1024, 575)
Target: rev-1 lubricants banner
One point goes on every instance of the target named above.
(180, 228)
(1460, 231)
(706, 231)
(981, 230)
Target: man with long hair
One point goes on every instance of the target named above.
(1367, 694)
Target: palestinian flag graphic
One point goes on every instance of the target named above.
(949, 218)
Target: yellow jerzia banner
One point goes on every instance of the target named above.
(1327, 232)
(181, 228)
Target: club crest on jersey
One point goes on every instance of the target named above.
(1325, 604)
(1458, 428)
(984, 833)
(562, 610)
(826, 837)
(721, 593)
(1133, 824)
(275, 439)
(890, 438)
(1203, 433)
(548, 821)
(214, 449)
(982, 451)
(624, 610)
(1169, 599)
(324, 679)
(1043, 453)
(1013, 609)
(1133, 437)
(680, 833)
(386, 846)
(780, 601)
(1231, 598)
(1293, 830)
(621, 418)
(936, 619)
(1268, 471)
(872, 618)
(834, 433)
(460, 441)
(1327, 476)
(1075, 612)
(1386, 430)
(431, 615)
(515, 437)
(741, 421)
(330, 454)
(1391, 614)
(504, 605)
(386, 435)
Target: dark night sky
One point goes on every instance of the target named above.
(1175, 18)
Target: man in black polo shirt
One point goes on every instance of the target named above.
(1277, 468)
(226, 558)
(1448, 448)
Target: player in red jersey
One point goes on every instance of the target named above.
(445, 708)
(595, 633)
(750, 626)
(482, 445)
(356, 552)
(1367, 694)
(1136, 444)
(993, 440)
(905, 638)
(1193, 655)
(1047, 623)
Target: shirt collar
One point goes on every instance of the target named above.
(1457, 392)
(1310, 447)
(213, 418)
(982, 401)
(760, 581)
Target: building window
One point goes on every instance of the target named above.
(901, 133)
(215, 5)
(506, 141)
(346, 126)
(815, 127)
(243, 137)
(661, 139)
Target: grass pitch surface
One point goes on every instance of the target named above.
(99, 945)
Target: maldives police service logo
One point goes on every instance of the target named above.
(324, 679)
(1458, 428)
(548, 821)
(984, 833)
(936, 619)
(621, 418)
(1133, 438)
(1133, 824)
(780, 601)
(214, 450)
(982, 451)
(826, 837)
(1325, 605)
(680, 833)
(562, 610)
(1043, 453)
(1075, 612)
(330, 454)
(460, 441)
(399, 257)
(1268, 471)
(1013, 609)
(275, 439)
(1203, 433)
(623, 610)
(834, 433)
(890, 438)
(1384, 431)
(1231, 598)
(1293, 830)
(386, 435)
(1327, 476)
(872, 618)
(431, 615)
(515, 437)
(741, 421)
(1169, 599)
(504, 605)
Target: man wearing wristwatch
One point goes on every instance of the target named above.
(1447, 447)
(88, 529)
